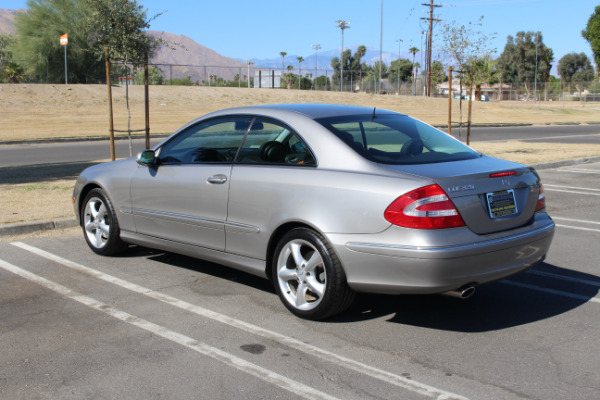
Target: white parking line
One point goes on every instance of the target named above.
(570, 187)
(581, 221)
(565, 278)
(571, 191)
(551, 291)
(382, 375)
(577, 228)
(525, 139)
(580, 171)
(271, 377)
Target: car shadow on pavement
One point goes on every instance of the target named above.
(42, 172)
(543, 292)
(201, 266)
(540, 293)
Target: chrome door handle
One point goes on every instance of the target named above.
(217, 179)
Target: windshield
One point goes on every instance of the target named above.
(397, 139)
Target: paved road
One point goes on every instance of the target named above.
(157, 325)
(30, 154)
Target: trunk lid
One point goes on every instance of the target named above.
(490, 194)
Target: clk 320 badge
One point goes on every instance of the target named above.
(461, 188)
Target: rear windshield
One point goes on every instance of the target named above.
(397, 139)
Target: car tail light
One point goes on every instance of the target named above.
(541, 202)
(425, 208)
(502, 174)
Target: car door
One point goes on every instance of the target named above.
(269, 180)
(183, 198)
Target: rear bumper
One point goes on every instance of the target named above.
(378, 266)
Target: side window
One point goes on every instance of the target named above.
(270, 142)
(215, 140)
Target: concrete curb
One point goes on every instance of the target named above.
(22, 228)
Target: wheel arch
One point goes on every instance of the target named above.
(82, 195)
(276, 237)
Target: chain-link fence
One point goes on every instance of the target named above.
(253, 76)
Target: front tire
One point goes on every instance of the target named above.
(308, 276)
(100, 225)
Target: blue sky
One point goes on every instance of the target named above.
(261, 29)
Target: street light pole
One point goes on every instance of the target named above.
(343, 25)
(316, 48)
(380, 49)
(399, 41)
(249, 62)
(536, 66)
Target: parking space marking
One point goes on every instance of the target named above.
(365, 369)
(578, 228)
(570, 187)
(565, 278)
(526, 139)
(581, 221)
(571, 191)
(269, 376)
(551, 291)
(579, 171)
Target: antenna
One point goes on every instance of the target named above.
(373, 116)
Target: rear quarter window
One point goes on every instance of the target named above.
(397, 139)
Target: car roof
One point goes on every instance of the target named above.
(310, 110)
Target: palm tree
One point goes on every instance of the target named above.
(300, 59)
(360, 53)
(14, 72)
(283, 54)
(413, 50)
(290, 76)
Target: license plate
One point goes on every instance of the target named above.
(501, 203)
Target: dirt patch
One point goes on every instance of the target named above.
(43, 192)
(52, 111)
(537, 153)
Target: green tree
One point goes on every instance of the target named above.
(406, 68)
(322, 82)
(13, 72)
(438, 74)
(154, 77)
(466, 44)
(352, 65)
(38, 31)
(6, 41)
(575, 67)
(522, 56)
(484, 71)
(118, 29)
(290, 77)
(591, 33)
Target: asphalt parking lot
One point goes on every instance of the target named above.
(153, 325)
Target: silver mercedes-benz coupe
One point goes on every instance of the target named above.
(325, 201)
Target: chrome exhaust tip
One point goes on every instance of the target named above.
(463, 292)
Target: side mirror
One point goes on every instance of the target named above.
(146, 158)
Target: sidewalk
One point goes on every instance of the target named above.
(23, 228)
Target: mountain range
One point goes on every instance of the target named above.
(185, 57)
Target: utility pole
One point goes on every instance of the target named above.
(431, 6)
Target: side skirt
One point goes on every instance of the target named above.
(246, 264)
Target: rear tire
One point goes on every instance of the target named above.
(309, 277)
(100, 225)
